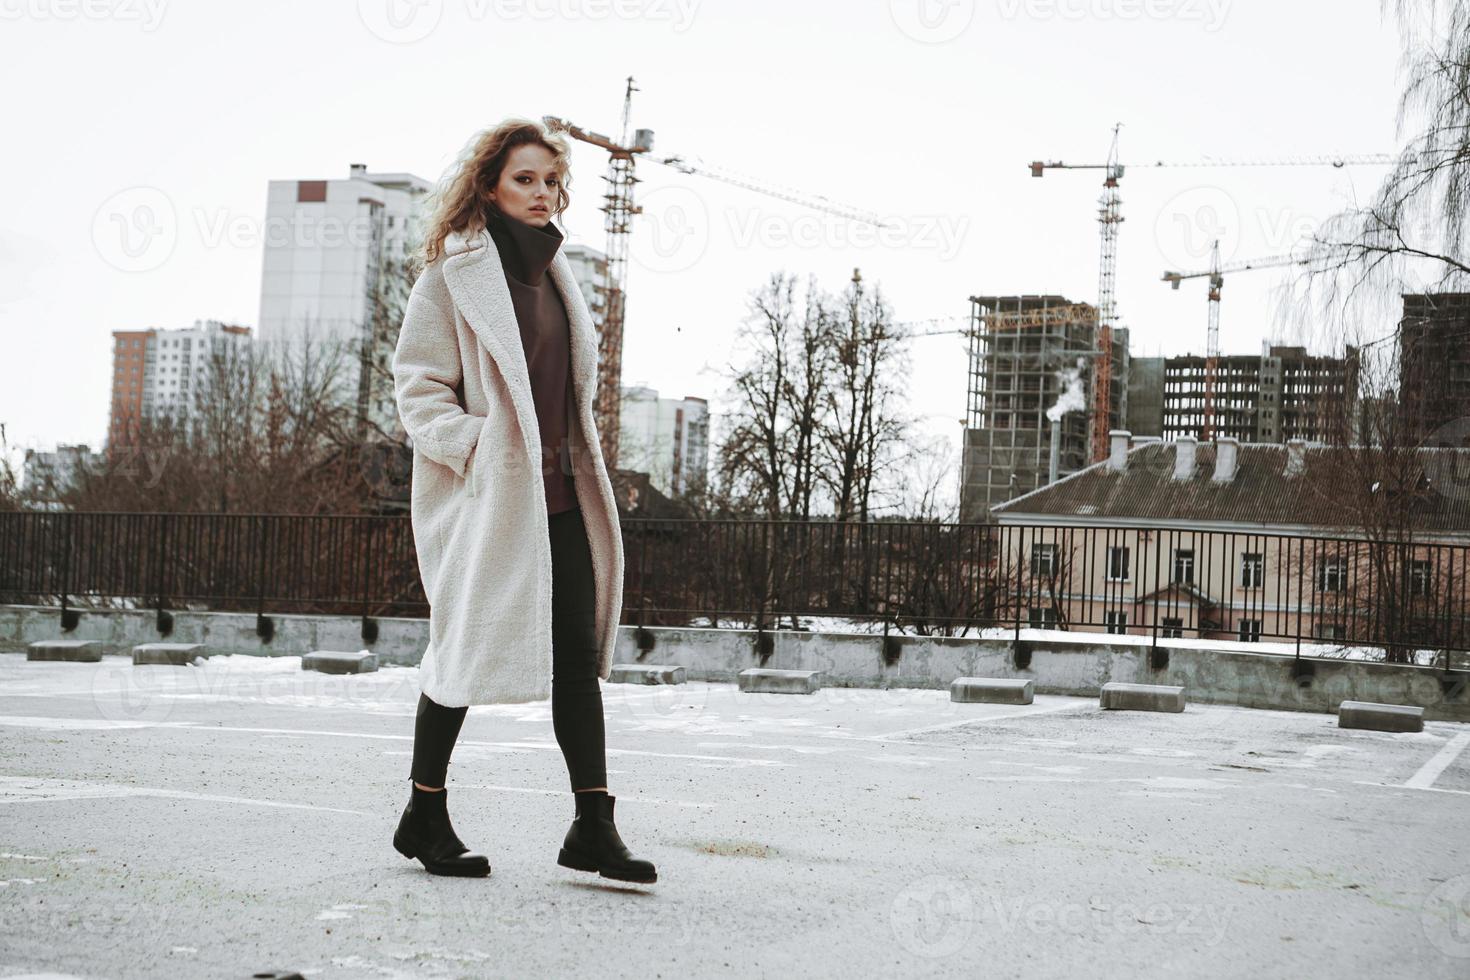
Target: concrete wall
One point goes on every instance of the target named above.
(1075, 667)
(1146, 397)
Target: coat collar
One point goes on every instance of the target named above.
(476, 279)
(525, 249)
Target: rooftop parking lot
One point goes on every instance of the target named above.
(235, 817)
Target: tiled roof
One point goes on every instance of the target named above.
(1260, 492)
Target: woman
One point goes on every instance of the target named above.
(514, 521)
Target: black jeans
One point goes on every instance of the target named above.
(576, 694)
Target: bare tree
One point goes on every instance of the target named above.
(927, 467)
(1375, 476)
(815, 417)
(10, 492)
(860, 429)
(265, 432)
(1410, 236)
(768, 452)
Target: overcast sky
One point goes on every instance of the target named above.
(925, 114)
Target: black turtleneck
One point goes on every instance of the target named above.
(526, 253)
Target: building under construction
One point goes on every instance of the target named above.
(1434, 365)
(1282, 393)
(1031, 356)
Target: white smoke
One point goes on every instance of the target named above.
(1072, 399)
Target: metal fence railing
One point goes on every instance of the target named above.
(912, 577)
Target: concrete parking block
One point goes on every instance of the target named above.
(991, 690)
(1141, 697)
(768, 680)
(78, 651)
(1380, 717)
(167, 654)
(646, 674)
(340, 661)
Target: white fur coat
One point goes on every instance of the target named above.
(478, 502)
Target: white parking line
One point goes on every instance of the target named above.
(32, 789)
(1430, 771)
(1026, 713)
(1428, 789)
(82, 724)
(476, 743)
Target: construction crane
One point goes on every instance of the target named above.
(1216, 274)
(1005, 319)
(814, 201)
(1109, 216)
(619, 208)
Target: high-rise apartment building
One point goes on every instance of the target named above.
(158, 373)
(589, 267)
(667, 438)
(335, 273)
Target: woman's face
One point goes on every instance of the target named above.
(528, 185)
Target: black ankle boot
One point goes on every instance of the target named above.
(593, 843)
(424, 832)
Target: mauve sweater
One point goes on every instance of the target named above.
(526, 252)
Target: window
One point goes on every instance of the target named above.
(1250, 630)
(1172, 626)
(1042, 617)
(1252, 570)
(1118, 563)
(1421, 576)
(1184, 566)
(1043, 559)
(1329, 631)
(1117, 622)
(1331, 575)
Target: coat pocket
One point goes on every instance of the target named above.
(483, 446)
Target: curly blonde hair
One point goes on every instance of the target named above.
(460, 201)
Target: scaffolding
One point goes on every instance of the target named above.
(1022, 349)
